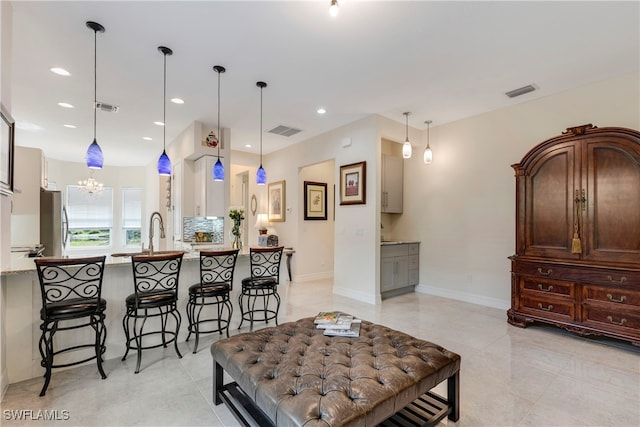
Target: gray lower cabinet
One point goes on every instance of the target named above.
(399, 268)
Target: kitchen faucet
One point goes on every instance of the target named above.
(162, 235)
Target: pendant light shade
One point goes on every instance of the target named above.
(94, 157)
(261, 175)
(218, 168)
(406, 147)
(164, 163)
(428, 154)
(333, 9)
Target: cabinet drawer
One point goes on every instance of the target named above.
(611, 277)
(547, 286)
(623, 297)
(414, 262)
(548, 307)
(414, 248)
(542, 270)
(613, 319)
(387, 251)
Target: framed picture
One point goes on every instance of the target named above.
(315, 200)
(353, 184)
(7, 135)
(277, 201)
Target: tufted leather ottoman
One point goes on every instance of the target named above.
(297, 376)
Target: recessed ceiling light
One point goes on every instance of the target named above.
(28, 126)
(65, 104)
(158, 123)
(70, 126)
(321, 111)
(177, 101)
(247, 145)
(60, 71)
(147, 138)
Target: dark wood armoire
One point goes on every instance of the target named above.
(577, 260)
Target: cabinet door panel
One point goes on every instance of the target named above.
(392, 184)
(549, 191)
(612, 211)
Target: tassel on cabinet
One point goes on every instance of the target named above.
(576, 244)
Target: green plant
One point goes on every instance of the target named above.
(237, 215)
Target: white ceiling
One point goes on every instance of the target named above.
(442, 61)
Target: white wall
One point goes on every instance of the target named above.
(315, 250)
(462, 207)
(356, 244)
(5, 200)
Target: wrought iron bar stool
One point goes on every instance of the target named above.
(262, 287)
(216, 282)
(155, 283)
(71, 299)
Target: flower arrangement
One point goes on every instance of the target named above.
(236, 215)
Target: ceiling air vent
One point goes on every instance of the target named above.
(106, 107)
(284, 130)
(520, 91)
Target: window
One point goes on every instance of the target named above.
(90, 217)
(131, 216)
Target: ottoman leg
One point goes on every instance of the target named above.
(217, 382)
(453, 396)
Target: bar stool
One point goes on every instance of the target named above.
(155, 284)
(216, 282)
(71, 290)
(261, 286)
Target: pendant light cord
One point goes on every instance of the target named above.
(261, 87)
(219, 136)
(164, 107)
(95, 81)
(407, 126)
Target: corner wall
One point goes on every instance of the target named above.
(462, 206)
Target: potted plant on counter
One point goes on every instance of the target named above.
(236, 215)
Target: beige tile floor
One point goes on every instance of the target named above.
(539, 376)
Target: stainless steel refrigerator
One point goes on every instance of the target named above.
(54, 230)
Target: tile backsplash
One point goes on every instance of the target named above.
(210, 227)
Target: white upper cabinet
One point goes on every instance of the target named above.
(392, 184)
(208, 194)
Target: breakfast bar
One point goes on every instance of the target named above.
(22, 317)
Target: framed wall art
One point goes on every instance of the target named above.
(315, 200)
(277, 201)
(353, 184)
(7, 136)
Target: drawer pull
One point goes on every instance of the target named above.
(549, 271)
(548, 308)
(622, 279)
(623, 298)
(622, 321)
(548, 289)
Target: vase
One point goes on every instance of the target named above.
(237, 242)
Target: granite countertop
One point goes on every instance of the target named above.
(21, 263)
(397, 242)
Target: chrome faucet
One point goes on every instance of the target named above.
(162, 235)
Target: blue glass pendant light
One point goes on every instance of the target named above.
(94, 157)
(164, 163)
(261, 175)
(218, 168)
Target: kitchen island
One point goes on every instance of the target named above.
(23, 304)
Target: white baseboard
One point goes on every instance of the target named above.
(4, 383)
(357, 295)
(313, 276)
(464, 296)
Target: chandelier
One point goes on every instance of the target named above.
(91, 185)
